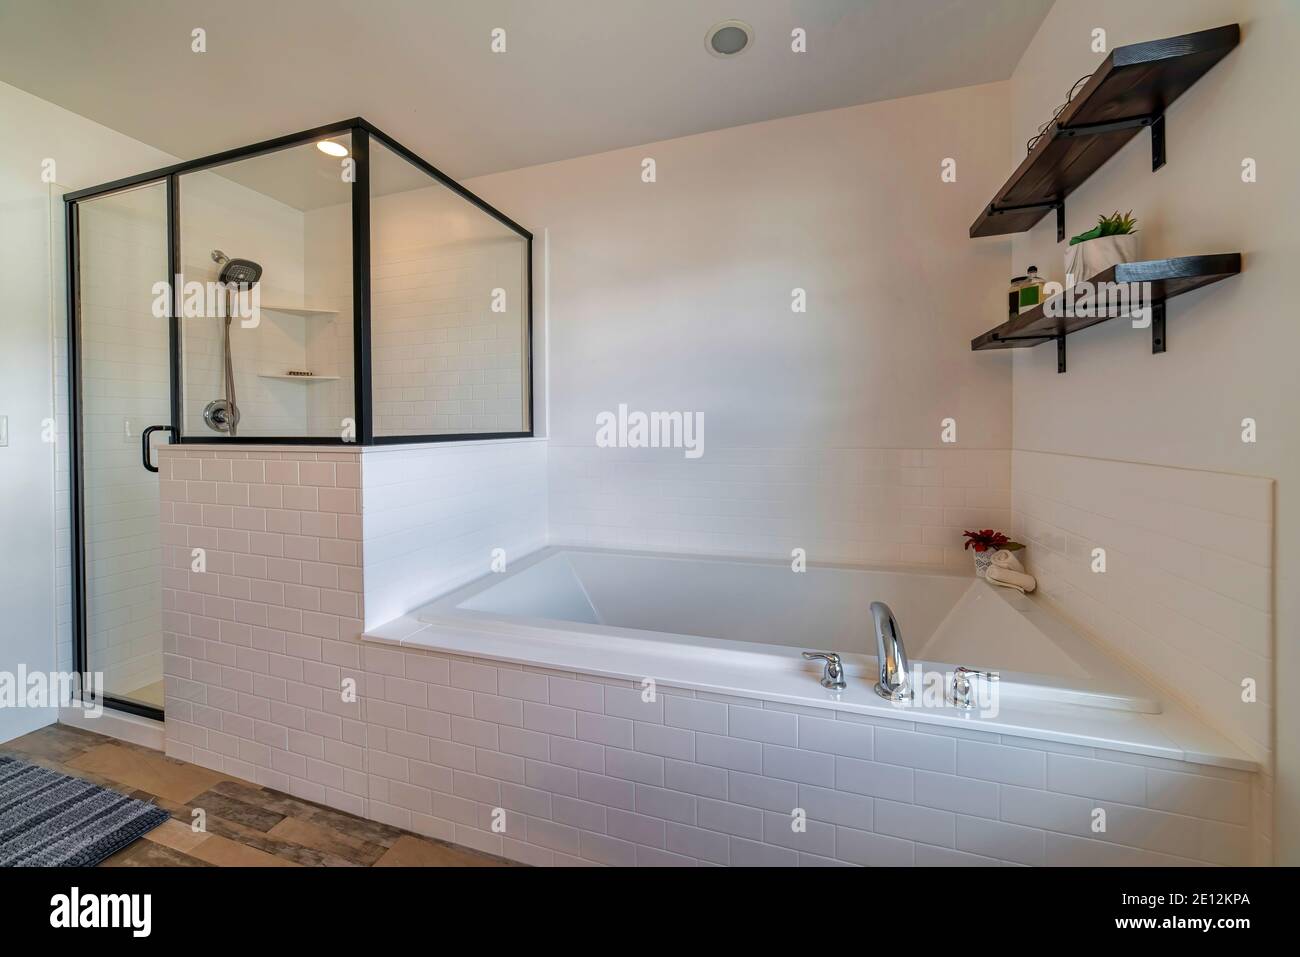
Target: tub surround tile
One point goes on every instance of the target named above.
(885, 505)
(991, 803)
(1189, 570)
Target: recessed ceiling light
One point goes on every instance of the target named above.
(332, 148)
(729, 38)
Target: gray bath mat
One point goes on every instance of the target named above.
(48, 819)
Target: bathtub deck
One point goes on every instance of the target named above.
(247, 825)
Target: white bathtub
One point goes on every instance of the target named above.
(736, 614)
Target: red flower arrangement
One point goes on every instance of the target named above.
(988, 540)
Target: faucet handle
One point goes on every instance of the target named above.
(833, 676)
(962, 693)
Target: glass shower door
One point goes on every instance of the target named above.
(122, 371)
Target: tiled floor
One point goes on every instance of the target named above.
(244, 825)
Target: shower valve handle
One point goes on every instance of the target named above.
(833, 676)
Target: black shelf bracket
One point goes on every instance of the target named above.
(1058, 205)
(1156, 121)
(1158, 339)
(1060, 345)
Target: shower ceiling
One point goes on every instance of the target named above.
(577, 77)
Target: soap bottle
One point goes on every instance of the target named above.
(1031, 290)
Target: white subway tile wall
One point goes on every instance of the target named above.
(1186, 595)
(258, 645)
(554, 768)
(841, 505)
(434, 515)
(594, 774)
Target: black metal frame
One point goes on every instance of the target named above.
(361, 132)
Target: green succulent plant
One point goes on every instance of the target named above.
(1116, 224)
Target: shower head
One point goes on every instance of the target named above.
(240, 272)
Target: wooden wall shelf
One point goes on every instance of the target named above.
(1129, 91)
(1168, 278)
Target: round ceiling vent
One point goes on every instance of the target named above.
(729, 38)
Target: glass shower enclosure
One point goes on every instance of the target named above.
(329, 287)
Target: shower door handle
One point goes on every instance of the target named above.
(144, 442)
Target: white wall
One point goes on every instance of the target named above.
(434, 515)
(85, 153)
(676, 296)
(1232, 346)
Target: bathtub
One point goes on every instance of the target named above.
(730, 617)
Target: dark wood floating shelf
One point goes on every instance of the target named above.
(1129, 91)
(1168, 278)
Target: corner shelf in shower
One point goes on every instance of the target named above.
(1168, 278)
(305, 311)
(1130, 90)
(297, 378)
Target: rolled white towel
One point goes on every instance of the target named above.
(1006, 559)
(1010, 578)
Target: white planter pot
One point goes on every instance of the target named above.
(1086, 259)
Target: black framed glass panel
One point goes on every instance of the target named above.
(121, 340)
(449, 309)
(266, 308)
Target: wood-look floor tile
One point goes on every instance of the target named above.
(146, 853)
(251, 837)
(247, 813)
(364, 830)
(411, 851)
(227, 853)
(177, 836)
(151, 772)
(57, 742)
(313, 835)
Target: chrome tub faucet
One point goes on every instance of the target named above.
(893, 684)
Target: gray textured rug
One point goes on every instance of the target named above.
(48, 819)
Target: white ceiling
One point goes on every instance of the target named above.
(578, 77)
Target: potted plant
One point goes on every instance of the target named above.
(985, 542)
(1111, 242)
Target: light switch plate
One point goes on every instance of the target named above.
(4, 430)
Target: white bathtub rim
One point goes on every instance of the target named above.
(1174, 734)
(754, 656)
